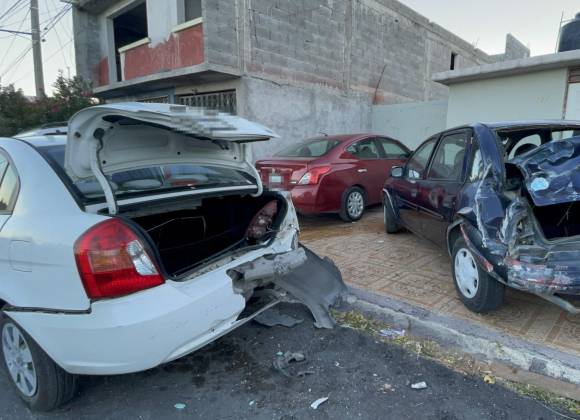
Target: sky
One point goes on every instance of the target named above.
(483, 23)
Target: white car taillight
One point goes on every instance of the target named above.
(112, 261)
(262, 221)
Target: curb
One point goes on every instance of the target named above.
(483, 343)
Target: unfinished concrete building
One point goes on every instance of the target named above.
(300, 67)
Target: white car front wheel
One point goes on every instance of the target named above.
(38, 380)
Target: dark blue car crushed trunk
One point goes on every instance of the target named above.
(525, 231)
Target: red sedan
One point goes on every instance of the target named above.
(335, 174)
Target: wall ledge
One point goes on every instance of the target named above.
(135, 44)
(188, 24)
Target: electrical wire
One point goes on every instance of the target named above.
(12, 44)
(50, 25)
(50, 57)
(14, 9)
(60, 43)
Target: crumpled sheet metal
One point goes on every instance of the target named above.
(509, 245)
(317, 284)
(489, 212)
(552, 172)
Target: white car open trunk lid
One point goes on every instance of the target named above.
(118, 137)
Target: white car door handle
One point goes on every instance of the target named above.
(360, 171)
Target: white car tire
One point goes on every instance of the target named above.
(478, 291)
(37, 379)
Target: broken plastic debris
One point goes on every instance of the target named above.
(387, 388)
(180, 406)
(539, 184)
(303, 373)
(273, 317)
(317, 403)
(489, 379)
(392, 333)
(419, 385)
(282, 361)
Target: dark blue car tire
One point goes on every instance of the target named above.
(390, 218)
(478, 291)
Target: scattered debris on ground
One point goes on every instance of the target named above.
(282, 362)
(273, 317)
(392, 333)
(542, 397)
(387, 388)
(459, 362)
(488, 379)
(318, 402)
(419, 385)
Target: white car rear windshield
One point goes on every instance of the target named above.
(154, 179)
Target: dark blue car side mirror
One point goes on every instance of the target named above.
(397, 172)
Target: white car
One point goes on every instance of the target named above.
(140, 237)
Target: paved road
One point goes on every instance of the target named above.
(233, 378)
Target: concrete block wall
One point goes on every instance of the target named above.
(378, 47)
(220, 31)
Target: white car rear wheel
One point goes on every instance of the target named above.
(38, 380)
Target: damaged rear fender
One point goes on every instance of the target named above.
(315, 282)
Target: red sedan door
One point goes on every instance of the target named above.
(369, 171)
(394, 154)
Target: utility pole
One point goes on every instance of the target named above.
(36, 49)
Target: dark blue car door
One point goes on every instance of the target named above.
(406, 189)
(437, 197)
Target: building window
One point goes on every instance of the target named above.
(129, 27)
(222, 101)
(190, 10)
(453, 59)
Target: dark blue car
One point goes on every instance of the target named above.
(503, 199)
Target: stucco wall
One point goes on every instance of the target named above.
(573, 103)
(296, 113)
(537, 95)
(410, 123)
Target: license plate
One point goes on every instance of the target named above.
(275, 179)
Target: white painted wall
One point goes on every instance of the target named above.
(410, 123)
(537, 95)
(573, 102)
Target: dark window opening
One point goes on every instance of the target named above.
(129, 27)
(453, 59)
(191, 10)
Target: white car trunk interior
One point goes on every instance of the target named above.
(187, 234)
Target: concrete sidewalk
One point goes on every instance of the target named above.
(410, 271)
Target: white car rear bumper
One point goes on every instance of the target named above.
(146, 329)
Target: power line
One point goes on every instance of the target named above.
(46, 61)
(60, 44)
(13, 9)
(13, 39)
(50, 24)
